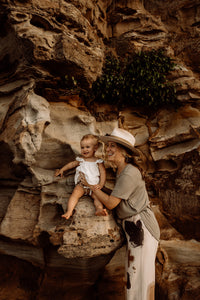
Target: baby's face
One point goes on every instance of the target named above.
(88, 148)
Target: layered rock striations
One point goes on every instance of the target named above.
(41, 123)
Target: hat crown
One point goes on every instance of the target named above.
(124, 135)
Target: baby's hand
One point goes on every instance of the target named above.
(58, 173)
(97, 187)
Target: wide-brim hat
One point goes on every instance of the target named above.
(122, 137)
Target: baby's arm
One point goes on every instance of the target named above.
(67, 167)
(102, 171)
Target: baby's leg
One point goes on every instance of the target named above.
(100, 211)
(77, 193)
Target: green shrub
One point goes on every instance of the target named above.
(138, 80)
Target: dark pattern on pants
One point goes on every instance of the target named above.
(128, 281)
(130, 258)
(135, 232)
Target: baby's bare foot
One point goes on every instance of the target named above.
(67, 215)
(101, 212)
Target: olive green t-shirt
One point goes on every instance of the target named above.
(131, 189)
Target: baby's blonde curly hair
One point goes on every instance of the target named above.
(93, 137)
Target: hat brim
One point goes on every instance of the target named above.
(111, 138)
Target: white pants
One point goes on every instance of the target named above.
(140, 259)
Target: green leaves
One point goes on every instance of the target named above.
(138, 80)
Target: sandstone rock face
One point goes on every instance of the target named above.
(181, 19)
(179, 261)
(42, 122)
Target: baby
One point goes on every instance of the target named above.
(94, 172)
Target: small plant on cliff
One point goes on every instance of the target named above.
(138, 80)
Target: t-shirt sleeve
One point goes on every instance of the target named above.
(126, 184)
(130, 188)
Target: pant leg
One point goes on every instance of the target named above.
(140, 259)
